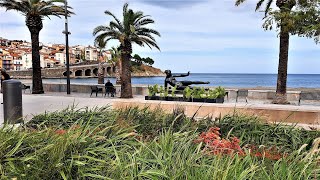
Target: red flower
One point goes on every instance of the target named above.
(60, 131)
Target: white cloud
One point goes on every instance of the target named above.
(208, 27)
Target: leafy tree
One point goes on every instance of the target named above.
(128, 31)
(148, 61)
(138, 59)
(286, 24)
(35, 11)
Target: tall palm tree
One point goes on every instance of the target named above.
(285, 6)
(128, 31)
(100, 45)
(115, 61)
(35, 11)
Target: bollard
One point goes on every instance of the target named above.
(12, 101)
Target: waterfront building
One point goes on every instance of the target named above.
(17, 62)
(7, 60)
(79, 53)
(91, 53)
(27, 60)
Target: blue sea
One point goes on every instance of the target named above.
(225, 80)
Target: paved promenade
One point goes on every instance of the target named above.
(50, 102)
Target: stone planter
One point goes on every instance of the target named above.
(220, 100)
(151, 97)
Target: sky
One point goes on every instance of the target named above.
(200, 36)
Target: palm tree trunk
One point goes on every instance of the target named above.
(118, 72)
(126, 88)
(100, 74)
(281, 92)
(37, 87)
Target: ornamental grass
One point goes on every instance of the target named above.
(133, 143)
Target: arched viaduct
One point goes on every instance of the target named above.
(75, 71)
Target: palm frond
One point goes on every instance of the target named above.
(143, 22)
(268, 7)
(114, 17)
(130, 29)
(40, 8)
(238, 2)
(259, 4)
(147, 30)
(99, 29)
(125, 9)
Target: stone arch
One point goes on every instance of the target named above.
(78, 73)
(109, 70)
(114, 69)
(95, 71)
(87, 72)
(65, 73)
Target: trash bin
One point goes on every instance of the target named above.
(12, 101)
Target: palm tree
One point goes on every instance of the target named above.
(35, 11)
(285, 6)
(128, 31)
(115, 61)
(100, 45)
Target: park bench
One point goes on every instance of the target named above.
(25, 87)
(110, 90)
(96, 89)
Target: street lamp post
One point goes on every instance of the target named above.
(66, 32)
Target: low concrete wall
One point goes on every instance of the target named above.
(267, 96)
(85, 88)
(270, 113)
(253, 96)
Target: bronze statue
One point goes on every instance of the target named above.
(181, 85)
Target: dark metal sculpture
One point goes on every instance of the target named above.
(181, 85)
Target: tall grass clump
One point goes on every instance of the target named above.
(133, 143)
(252, 130)
(67, 117)
(86, 154)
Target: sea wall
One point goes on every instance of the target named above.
(86, 88)
(234, 95)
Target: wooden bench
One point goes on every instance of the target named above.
(96, 89)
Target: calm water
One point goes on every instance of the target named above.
(226, 80)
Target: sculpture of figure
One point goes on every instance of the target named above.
(181, 85)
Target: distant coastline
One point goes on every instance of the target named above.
(245, 81)
(87, 71)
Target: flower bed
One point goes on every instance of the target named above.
(188, 95)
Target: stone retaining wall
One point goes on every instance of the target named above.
(270, 113)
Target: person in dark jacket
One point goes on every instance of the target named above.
(109, 88)
(4, 76)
